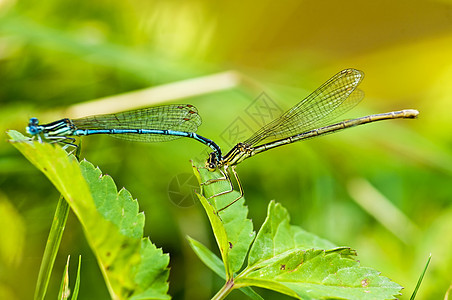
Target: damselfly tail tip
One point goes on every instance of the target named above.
(411, 113)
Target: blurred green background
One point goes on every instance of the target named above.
(383, 189)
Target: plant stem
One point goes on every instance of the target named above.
(225, 290)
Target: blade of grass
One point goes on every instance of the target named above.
(77, 280)
(64, 287)
(421, 278)
(51, 249)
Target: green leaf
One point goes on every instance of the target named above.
(284, 258)
(132, 267)
(277, 236)
(219, 231)
(233, 231)
(287, 259)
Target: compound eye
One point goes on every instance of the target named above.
(33, 121)
(32, 129)
(211, 165)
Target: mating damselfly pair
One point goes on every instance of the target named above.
(309, 118)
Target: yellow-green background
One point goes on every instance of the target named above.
(56, 54)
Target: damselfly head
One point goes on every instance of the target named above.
(212, 162)
(33, 128)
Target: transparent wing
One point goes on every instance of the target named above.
(333, 98)
(183, 117)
